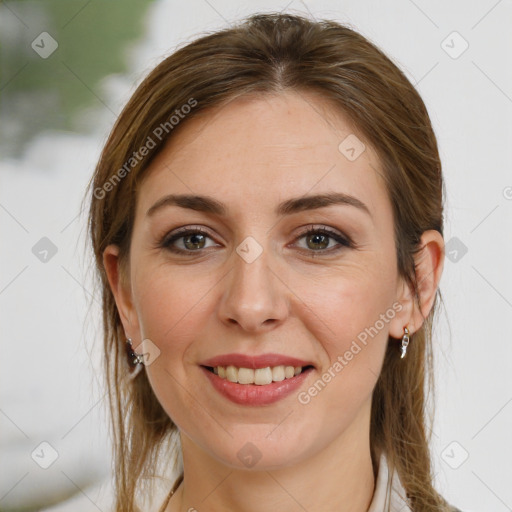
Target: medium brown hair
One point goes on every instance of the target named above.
(267, 54)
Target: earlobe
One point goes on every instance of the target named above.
(119, 289)
(429, 263)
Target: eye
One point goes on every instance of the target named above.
(191, 240)
(195, 239)
(318, 240)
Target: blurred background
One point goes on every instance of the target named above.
(67, 68)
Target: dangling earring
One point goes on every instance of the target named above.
(134, 360)
(405, 342)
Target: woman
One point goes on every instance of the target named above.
(267, 223)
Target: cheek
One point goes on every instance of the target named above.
(345, 318)
(172, 306)
(346, 306)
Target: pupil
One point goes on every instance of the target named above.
(315, 237)
(193, 239)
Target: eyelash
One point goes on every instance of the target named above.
(343, 241)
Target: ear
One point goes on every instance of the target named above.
(121, 290)
(429, 263)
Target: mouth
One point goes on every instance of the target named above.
(260, 385)
(256, 380)
(257, 376)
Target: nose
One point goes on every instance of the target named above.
(254, 298)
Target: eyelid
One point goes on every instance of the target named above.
(326, 229)
(343, 240)
(165, 240)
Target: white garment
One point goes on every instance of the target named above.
(381, 500)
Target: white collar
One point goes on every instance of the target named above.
(381, 500)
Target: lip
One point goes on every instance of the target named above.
(255, 362)
(253, 394)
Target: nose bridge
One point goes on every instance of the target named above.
(253, 295)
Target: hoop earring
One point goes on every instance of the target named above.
(134, 360)
(405, 342)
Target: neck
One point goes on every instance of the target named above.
(338, 477)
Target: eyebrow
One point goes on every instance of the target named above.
(210, 205)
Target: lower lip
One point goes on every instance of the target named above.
(253, 394)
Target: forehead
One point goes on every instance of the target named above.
(261, 149)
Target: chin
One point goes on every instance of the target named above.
(258, 453)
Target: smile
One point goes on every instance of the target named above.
(259, 376)
(253, 394)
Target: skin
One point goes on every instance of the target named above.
(252, 154)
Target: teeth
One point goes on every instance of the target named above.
(245, 376)
(260, 376)
(263, 376)
(232, 374)
(278, 373)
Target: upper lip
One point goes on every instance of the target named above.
(254, 362)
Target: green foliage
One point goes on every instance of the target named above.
(92, 37)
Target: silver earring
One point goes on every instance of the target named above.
(405, 342)
(134, 360)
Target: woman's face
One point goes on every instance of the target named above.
(254, 283)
